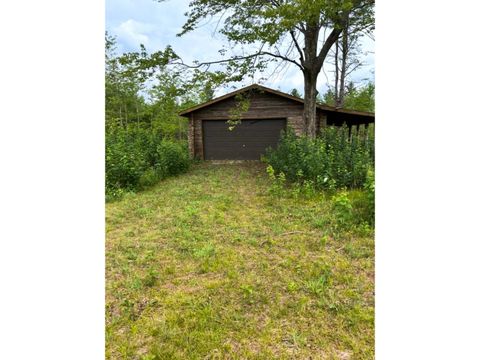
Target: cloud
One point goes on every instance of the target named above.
(156, 24)
(133, 33)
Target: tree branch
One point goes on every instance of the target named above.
(208, 63)
(281, 57)
(297, 46)
(332, 37)
(237, 58)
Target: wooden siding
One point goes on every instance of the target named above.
(191, 136)
(198, 135)
(263, 105)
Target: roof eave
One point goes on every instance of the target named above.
(275, 92)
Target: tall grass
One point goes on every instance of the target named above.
(139, 158)
(337, 158)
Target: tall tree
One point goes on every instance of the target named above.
(123, 84)
(346, 59)
(361, 98)
(295, 93)
(300, 32)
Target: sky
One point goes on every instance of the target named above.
(155, 25)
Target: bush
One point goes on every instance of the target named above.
(138, 158)
(342, 209)
(338, 158)
(369, 187)
(172, 158)
(149, 178)
(277, 181)
(126, 159)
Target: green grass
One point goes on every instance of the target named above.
(209, 265)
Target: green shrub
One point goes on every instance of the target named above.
(342, 209)
(149, 178)
(125, 160)
(369, 187)
(277, 181)
(172, 158)
(112, 194)
(337, 158)
(138, 158)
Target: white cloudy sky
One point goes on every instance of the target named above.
(155, 25)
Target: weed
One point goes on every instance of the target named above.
(370, 190)
(292, 286)
(324, 240)
(151, 278)
(321, 281)
(337, 158)
(343, 210)
(205, 252)
(317, 286)
(181, 284)
(278, 182)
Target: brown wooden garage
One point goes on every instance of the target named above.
(269, 112)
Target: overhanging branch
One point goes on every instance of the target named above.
(236, 58)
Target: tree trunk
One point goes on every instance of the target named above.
(138, 117)
(310, 104)
(310, 74)
(343, 72)
(312, 65)
(336, 73)
(121, 119)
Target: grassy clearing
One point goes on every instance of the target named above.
(209, 265)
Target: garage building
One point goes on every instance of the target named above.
(269, 112)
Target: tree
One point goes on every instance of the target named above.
(300, 32)
(356, 98)
(207, 93)
(122, 87)
(346, 59)
(295, 93)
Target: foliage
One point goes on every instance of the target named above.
(145, 137)
(139, 158)
(356, 98)
(149, 178)
(369, 187)
(126, 157)
(242, 104)
(248, 21)
(145, 91)
(342, 208)
(277, 181)
(171, 158)
(296, 93)
(280, 31)
(338, 158)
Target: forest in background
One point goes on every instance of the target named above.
(144, 91)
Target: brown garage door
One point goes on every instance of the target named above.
(246, 141)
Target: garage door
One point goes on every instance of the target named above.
(247, 141)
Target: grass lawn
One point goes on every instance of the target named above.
(209, 265)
